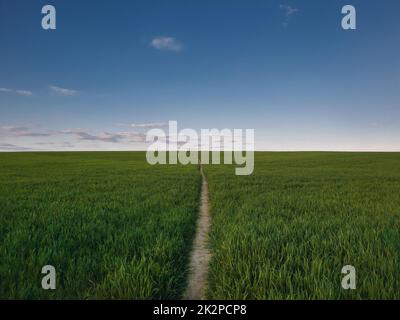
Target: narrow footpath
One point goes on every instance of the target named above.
(200, 256)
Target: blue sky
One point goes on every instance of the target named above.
(113, 69)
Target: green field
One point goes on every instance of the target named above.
(111, 225)
(286, 231)
(115, 227)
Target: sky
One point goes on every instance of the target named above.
(114, 69)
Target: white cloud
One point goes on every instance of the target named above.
(149, 125)
(289, 10)
(24, 92)
(13, 128)
(82, 134)
(116, 137)
(12, 147)
(22, 138)
(166, 44)
(17, 91)
(62, 91)
(85, 135)
(16, 131)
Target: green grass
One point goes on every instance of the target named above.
(115, 227)
(286, 231)
(111, 225)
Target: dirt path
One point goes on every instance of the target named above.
(200, 256)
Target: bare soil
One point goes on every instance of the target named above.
(200, 256)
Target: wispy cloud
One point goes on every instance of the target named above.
(149, 125)
(24, 92)
(17, 91)
(12, 147)
(13, 128)
(73, 139)
(63, 144)
(62, 91)
(289, 11)
(114, 137)
(17, 131)
(166, 44)
(85, 135)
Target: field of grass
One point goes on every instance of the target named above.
(111, 225)
(286, 231)
(115, 227)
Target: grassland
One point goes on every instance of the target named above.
(115, 227)
(286, 231)
(111, 225)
